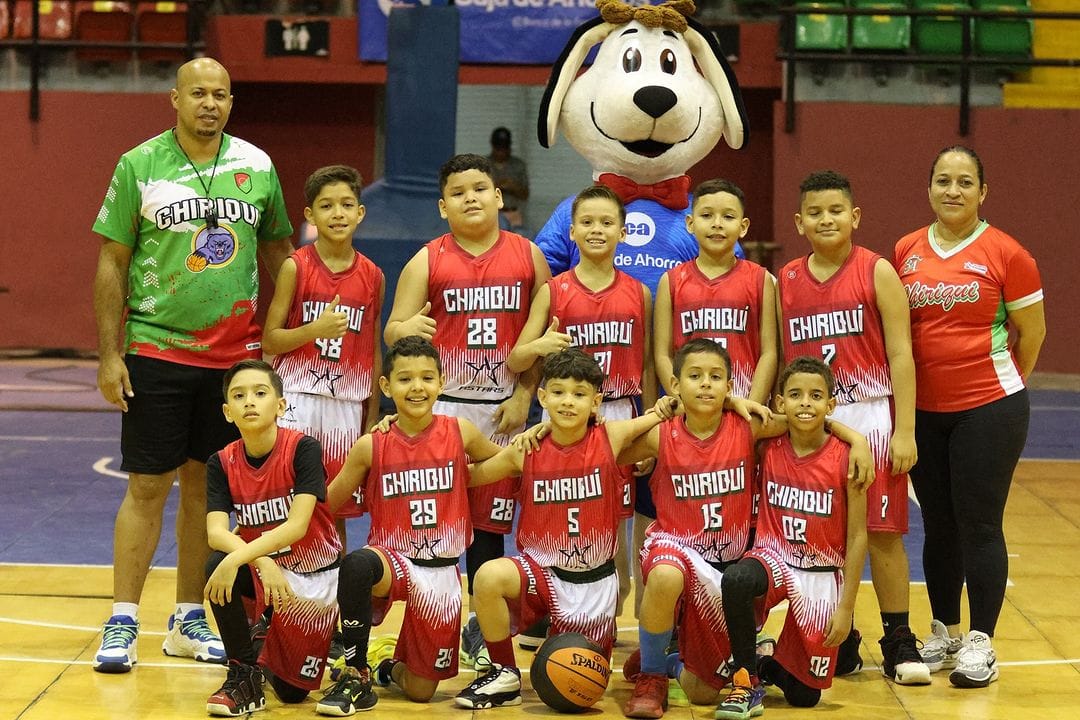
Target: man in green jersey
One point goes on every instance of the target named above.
(185, 218)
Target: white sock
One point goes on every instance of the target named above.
(182, 609)
(129, 609)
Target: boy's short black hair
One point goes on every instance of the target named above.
(332, 174)
(572, 364)
(461, 163)
(598, 192)
(410, 346)
(719, 185)
(275, 379)
(825, 180)
(811, 366)
(701, 345)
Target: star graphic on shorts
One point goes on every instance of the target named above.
(427, 545)
(328, 377)
(486, 366)
(712, 550)
(846, 393)
(575, 556)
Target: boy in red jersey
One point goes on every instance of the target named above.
(469, 292)
(570, 497)
(704, 493)
(605, 313)
(809, 549)
(273, 479)
(719, 296)
(324, 326)
(415, 477)
(846, 305)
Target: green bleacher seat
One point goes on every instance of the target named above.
(938, 35)
(815, 31)
(881, 32)
(1010, 37)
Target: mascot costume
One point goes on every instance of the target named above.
(657, 99)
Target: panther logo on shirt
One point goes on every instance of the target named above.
(212, 247)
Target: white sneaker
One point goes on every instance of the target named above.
(119, 641)
(939, 650)
(192, 637)
(497, 687)
(976, 663)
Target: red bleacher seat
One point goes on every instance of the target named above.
(5, 19)
(163, 22)
(55, 23)
(103, 20)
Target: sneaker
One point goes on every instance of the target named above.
(534, 635)
(242, 692)
(901, 660)
(650, 697)
(192, 637)
(472, 643)
(764, 645)
(939, 650)
(381, 652)
(976, 663)
(384, 673)
(497, 687)
(632, 667)
(744, 700)
(352, 693)
(117, 652)
(848, 659)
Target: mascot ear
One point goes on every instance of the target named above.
(564, 72)
(710, 58)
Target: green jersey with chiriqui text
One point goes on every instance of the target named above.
(193, 282)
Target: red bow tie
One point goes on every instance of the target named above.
(671, 193)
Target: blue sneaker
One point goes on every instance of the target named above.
(192, 637)
(117, 652)
(745, 699)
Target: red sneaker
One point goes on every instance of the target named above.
(650, 697)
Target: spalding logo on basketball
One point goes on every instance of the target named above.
(570, 673)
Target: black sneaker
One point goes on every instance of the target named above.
(532, 637)
(241, 694)
(497, 687)
(901, 660)
(350, 694)
(848, 659)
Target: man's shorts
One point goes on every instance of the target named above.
(581, 602)
(492, 506)
(336, 424)
(174, 416)
(431, 628)
(887, 496)
(703, 636)
(298, 639)
(812, 598)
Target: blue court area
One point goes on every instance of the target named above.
(60, 482)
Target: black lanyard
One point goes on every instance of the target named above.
(211, 215)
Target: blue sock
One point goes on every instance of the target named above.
(654, 651)
(674, 665)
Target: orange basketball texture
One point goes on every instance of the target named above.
(569, 673)
(196, 263)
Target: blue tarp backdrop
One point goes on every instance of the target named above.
(525, 32)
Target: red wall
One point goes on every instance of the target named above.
(1031, 168)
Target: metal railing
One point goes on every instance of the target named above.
(965, 61)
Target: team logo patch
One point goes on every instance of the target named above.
(212, 247)
(640, 229)
(910, 264)
(243, 182)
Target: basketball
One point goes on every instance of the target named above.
(196, 263)
(569, 673)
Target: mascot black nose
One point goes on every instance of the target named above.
(655, 100)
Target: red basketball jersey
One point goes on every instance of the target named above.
(480, 304)
(838, 321)
(725, 309)
(609, 325)
(960, 302)
(803, 511)
(416, 491)
(340, 368)
(703, 489)
(570, 500)
(262, 498)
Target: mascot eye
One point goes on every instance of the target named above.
(631, 60)
(667, 62)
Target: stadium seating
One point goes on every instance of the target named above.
(815, 31)
(1009, 37)
(941, 34)
(5, 19)
(890, 33)
(103, 20)
(161, 22)
(55, 22)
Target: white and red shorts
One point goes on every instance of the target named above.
(431, 628)
(336, 424)
(887, 496)
(298, 639)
